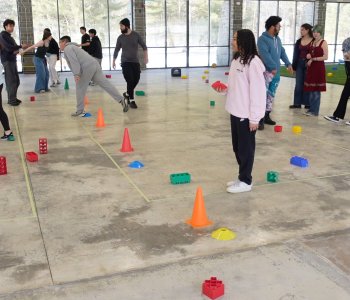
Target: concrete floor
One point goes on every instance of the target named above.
(80, 224)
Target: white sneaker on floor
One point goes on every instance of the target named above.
(232, 182)
(239, 187)
(347, 123)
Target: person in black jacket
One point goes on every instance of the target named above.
(85, 39)
(8, 59)
(301, 49)
(53, 55)
(95, 48)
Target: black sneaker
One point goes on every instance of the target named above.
(7, 137)
(268, 121)
(20, 101)
(294, 106)
(261, 124)
(332, 119)
(14, 103)
(307, 106)
(133, 104)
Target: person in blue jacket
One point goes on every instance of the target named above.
(271, 52)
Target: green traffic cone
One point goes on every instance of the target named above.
(66, 85)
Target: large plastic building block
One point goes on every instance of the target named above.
(32, 156)
(32, 98)
(299, 161)
(175, 72)
(272, 176)
(207, 81)
(43, 145)
(278, 128)
(213, 288)
(180, 178)
(227, 73)
(108, 76)
(140, 93)
(297, 129)
(3, 167)
(212, 103)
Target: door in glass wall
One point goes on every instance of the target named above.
(250, 17)
(267, 9)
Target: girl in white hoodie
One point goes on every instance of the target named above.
(246, 103)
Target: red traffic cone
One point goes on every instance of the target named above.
(126, 147)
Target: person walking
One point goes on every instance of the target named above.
(128, 41)
(246, 103)
(86, 68)
(85, 39)
(315, 81)
(301, 49)
(95, 48)
(340, 111)
(271, 52)
(9, 61)
(53, 55)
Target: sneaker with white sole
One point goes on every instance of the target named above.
(125, 104)
(332, 119)
(78, 114)
(231, 182)
(239, 187)
(347, 123)
(309, 114)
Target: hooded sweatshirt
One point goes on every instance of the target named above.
(271, 52)
(246, 90)
(78, 59)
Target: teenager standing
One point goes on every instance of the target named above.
(95, 48)
(53, 55)
(85, 39)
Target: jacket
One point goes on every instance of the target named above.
(9, 47)
(271, 52)
(95, 48)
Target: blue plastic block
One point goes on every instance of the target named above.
(87, 115)
(335, 68)
(299, 161)
(136, 165)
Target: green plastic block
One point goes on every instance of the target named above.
(11, 138)
(272, 176)
(212, 103)
(140, 93)
(180, 178)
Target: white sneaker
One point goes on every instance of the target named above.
(78, 114)
(347, 123)
(239, 187)
(232, 182)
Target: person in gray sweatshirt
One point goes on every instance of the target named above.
(271, 52)
(85, 68)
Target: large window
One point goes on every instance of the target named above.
(8, 10)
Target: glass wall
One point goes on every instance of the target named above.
(181, 33)
(8, 10)
(293, 14)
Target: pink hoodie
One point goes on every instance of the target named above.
(246, 90)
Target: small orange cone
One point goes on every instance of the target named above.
(100, 120)
(86, 100)
(126, 147)
(199, 215)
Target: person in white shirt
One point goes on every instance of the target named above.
(246, 103)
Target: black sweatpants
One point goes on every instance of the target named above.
(341, 108)
(3, 116)
(243, 142)
(11, 79)
(131, 72)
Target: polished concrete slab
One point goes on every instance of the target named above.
(83, 225)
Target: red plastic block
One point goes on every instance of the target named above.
(3, 167)
(43, 145)
(278, 128)
(31, 156)
(108, 76)
(218, 84)
(213, 288)
(227, 73)
(32, 98)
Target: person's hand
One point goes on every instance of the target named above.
(290, 69)
(253, 127)
(113, 64)
(308, 56)
(274, 72)
(24, 46)
(76, 78)
(145, 60)
(347, 55)
(309, 63)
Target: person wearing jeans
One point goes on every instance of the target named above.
(128, 41)
(9, 61)
(340, 111)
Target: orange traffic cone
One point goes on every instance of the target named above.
(126, 147)
(100, 120)
(199, 215)
(86, 100)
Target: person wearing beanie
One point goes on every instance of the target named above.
(271, 52)
(129, 41)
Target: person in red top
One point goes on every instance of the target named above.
(315, 81)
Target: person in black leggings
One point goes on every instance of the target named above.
(3, 116)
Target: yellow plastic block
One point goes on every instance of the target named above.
(297, 129)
